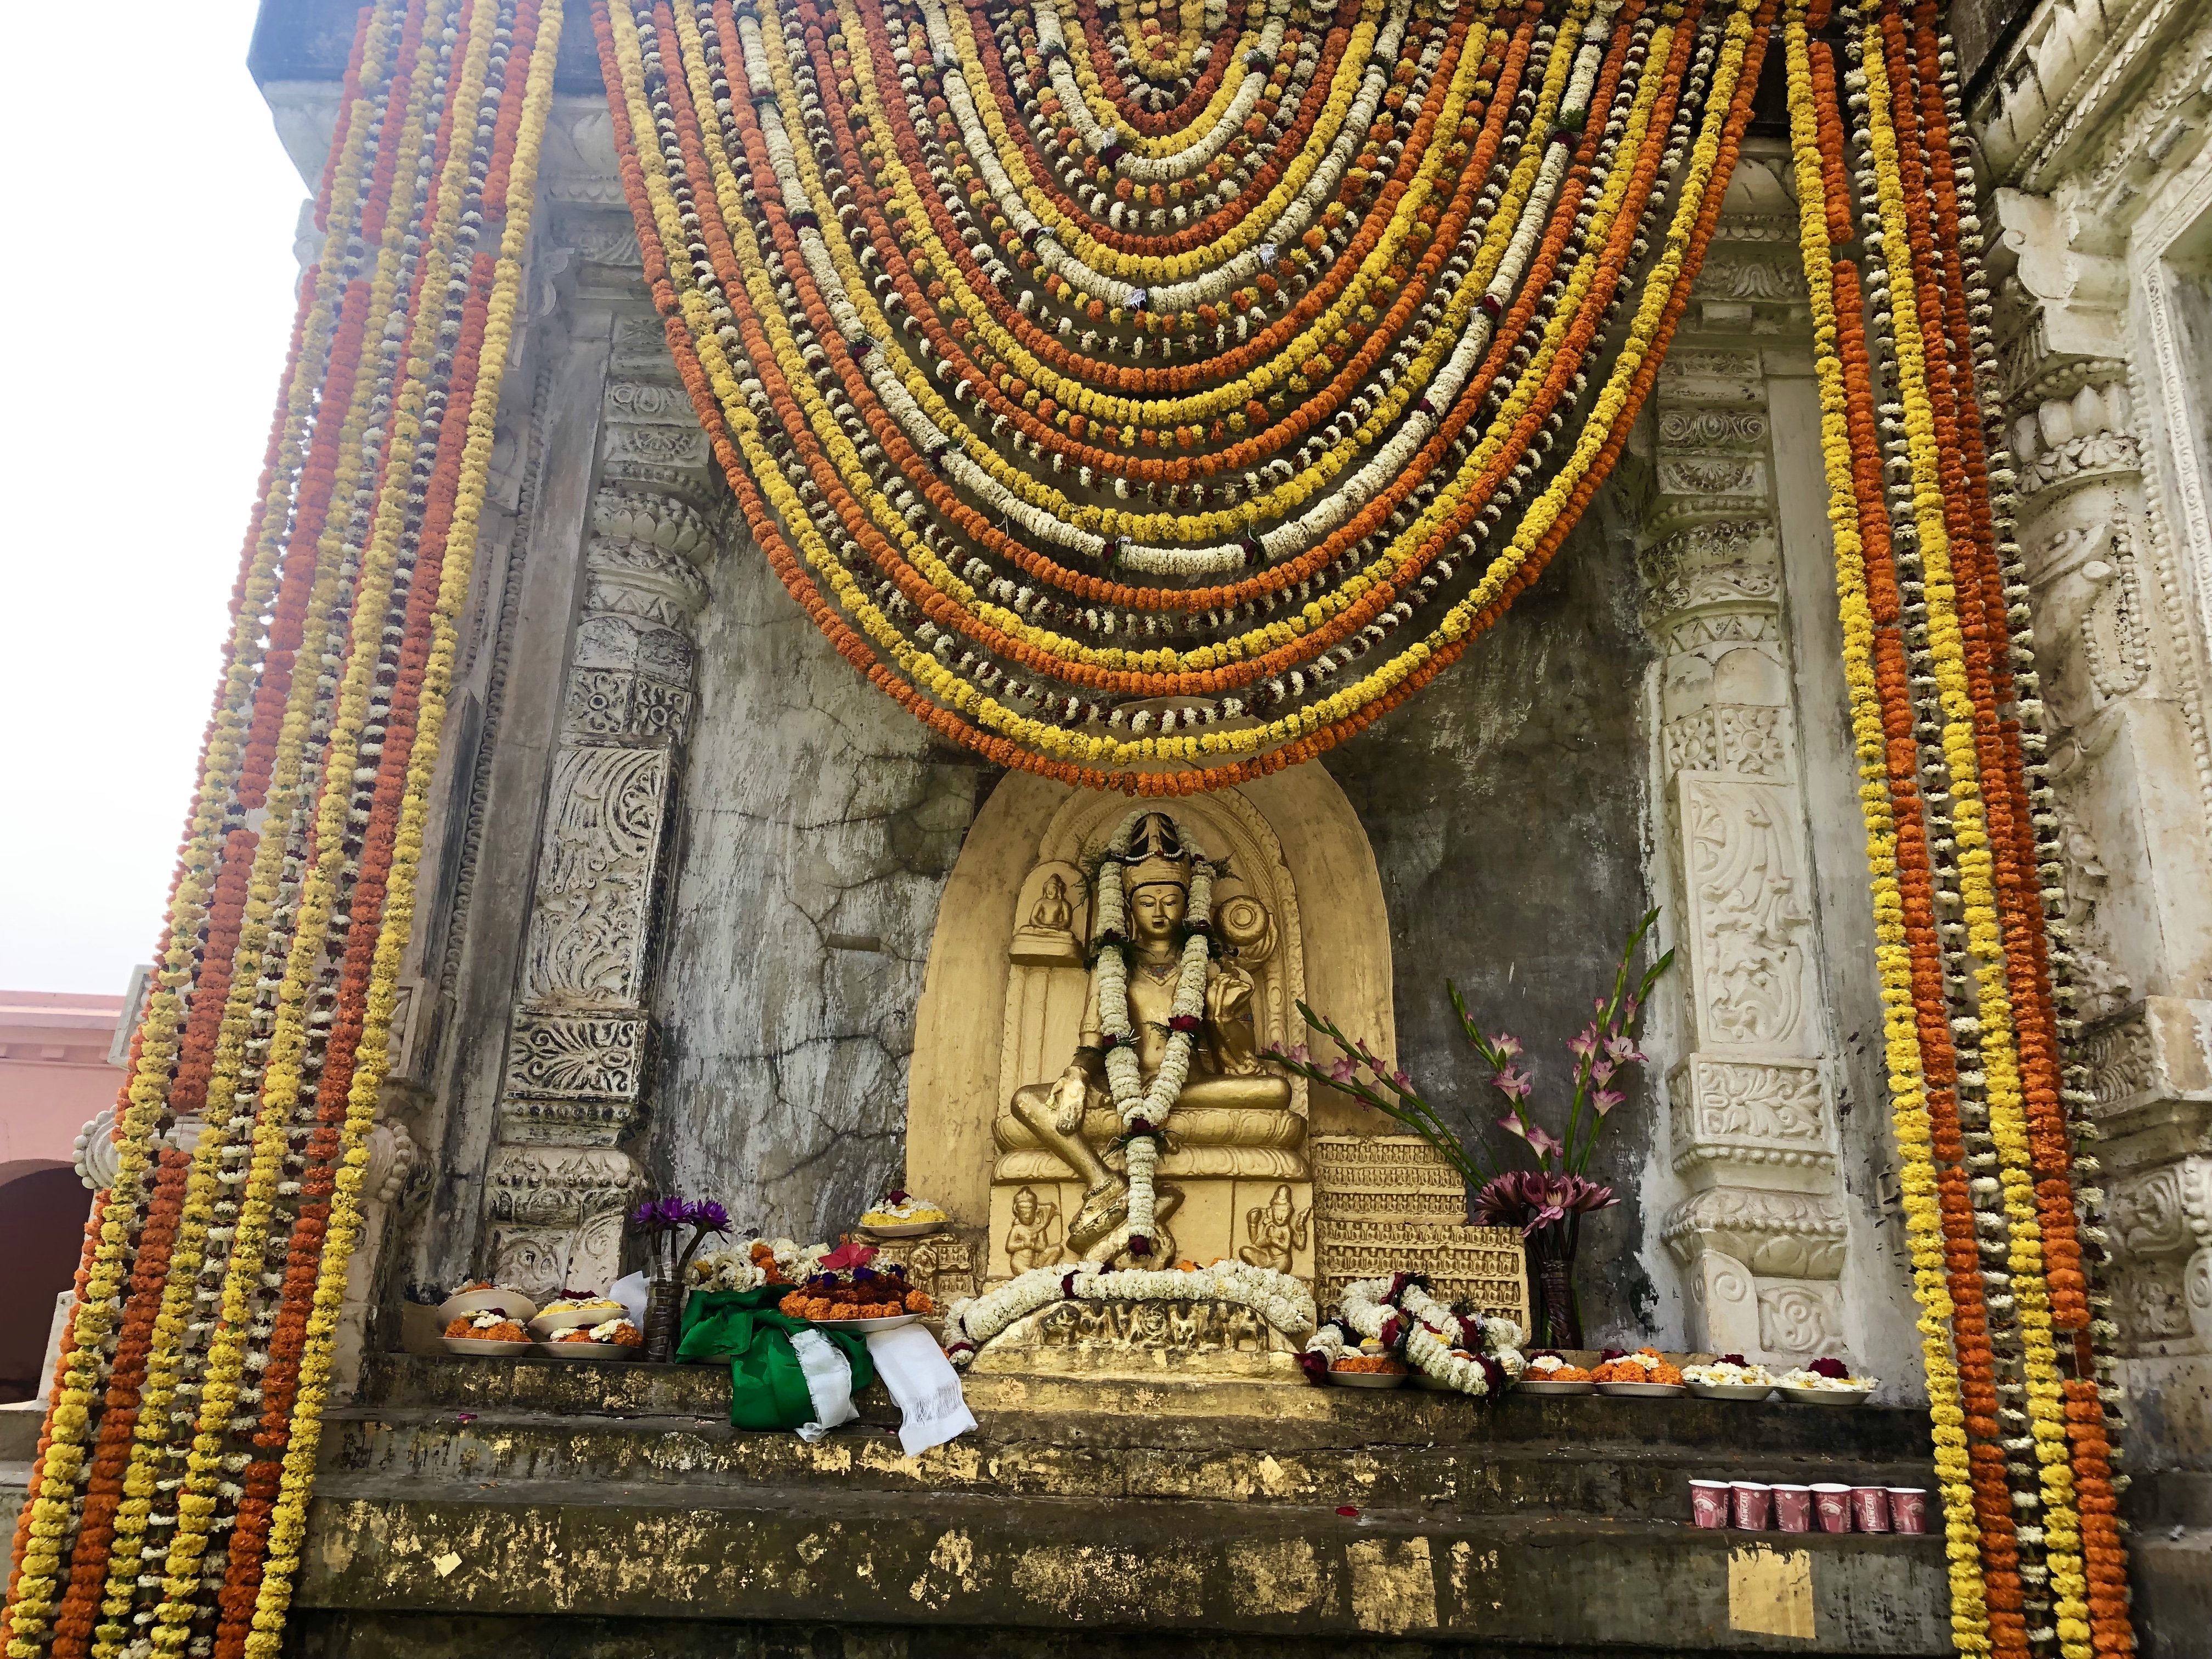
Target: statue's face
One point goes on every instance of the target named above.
(1155, 910)
(1025, 1204)
(1278, 1207)
(1054, 887)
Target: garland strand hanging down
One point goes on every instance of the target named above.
(1154, 456)
(168, 1500)
(2000, 1205)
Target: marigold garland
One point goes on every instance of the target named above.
(179, 1518)
(1939, 665)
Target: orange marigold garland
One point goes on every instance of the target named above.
(357, 479)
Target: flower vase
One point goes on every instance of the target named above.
(1558, 1310)
(664, 1310)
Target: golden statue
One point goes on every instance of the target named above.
(1233, 1116)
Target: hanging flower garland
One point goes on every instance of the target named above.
(1467, 1354)
(178, 1453)
(900, 248)
(1940, 668)
(1144, 1107)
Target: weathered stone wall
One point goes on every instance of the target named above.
(1508, 812)
(819, 824)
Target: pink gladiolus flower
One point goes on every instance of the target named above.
(1514, 1082)
(1512, 1125)
(1543, 1142)
(1343, 1071)
(1606, 1099)
(1624, 1051)
(1401, 1079)
(1601, 1070)
(1584, 1046)
(1506, 1044)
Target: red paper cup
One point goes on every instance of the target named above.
(1751, 1499)
(1793, 1508)
(1870, 1508)
(1832, 1504)
(1709, 1503)
(1908, 1508)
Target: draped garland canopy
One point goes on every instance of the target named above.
(1153, 403)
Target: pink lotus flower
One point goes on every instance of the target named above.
(1533, 1199)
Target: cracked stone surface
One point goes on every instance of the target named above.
(816, 818)
(1510, 812)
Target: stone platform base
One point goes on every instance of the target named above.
(495, 1507)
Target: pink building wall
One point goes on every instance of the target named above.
(54, 1078)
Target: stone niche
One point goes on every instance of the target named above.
(1005, 994)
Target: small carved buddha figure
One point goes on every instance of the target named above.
(1276, 1232)
(1231, 1101)
(1053, 914)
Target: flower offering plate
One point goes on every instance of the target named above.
(1643, 1390)
(567, 1319)
(515, 1305)
(590, 1350)
(903, 1229)
(1368, 1379)
(1536, 1385)
(862, 1327)
(1731, 1390)
(479, 1347)
(1828, 1396)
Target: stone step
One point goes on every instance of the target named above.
(389, 1551)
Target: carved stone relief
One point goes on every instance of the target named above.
(579, 1050)
(1760, 1236)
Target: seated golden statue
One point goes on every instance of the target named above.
(1233, 1118)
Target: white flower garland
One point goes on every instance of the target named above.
(1283, 1302)
(1136, 1101)
(1430, 1332)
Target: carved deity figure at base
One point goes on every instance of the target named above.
(1233, 1116)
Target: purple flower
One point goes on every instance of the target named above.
(1542, 1141)
(1505, 1043)
(1606, 1099)
(1601, 1071)
(1582, 1047)
(708, 1217)
(1301, 1054)
(1513, 1083)
(1402, 1080)
(1343, 1071)
(1623, 1051)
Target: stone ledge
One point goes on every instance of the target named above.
(534, 1548)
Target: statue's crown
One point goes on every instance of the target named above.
(1156, 856)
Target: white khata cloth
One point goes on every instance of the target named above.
(829, 1383)
(925, 1385)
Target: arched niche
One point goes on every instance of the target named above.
(989, 1023)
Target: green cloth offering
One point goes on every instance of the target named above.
(767, 1384)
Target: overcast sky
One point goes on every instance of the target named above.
(147, 298)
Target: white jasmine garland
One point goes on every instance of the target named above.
(1280, 1299)
(1430, 1331)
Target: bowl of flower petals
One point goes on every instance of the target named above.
(1369, 1368)
(1827, 1383)
(481, 1295)
(1548, 1373)
(901, 1215)
(572, 1309)
(850, 1294)
(1730, 1378)
(485, 1335)
(1644, 1372)
(612, 1338)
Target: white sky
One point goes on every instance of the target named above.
(147, 295)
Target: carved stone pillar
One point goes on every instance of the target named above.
(2127, 754)
(579, 1051)
(1759, 1232)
